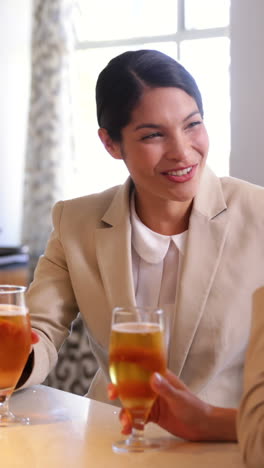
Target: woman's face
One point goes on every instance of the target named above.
(165, 146)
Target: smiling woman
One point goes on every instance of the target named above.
(154, 122)
(174, 236)
(164, 147)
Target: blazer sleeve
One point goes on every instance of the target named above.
(250, 423)
(52, 306)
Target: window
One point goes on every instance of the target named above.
(195, 32)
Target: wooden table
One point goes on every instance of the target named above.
(69, 431)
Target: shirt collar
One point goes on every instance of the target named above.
(149, 245)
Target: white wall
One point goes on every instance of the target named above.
(14, 96)
(247, 90)
(247, 102)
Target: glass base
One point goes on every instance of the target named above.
(140, 445)
(9, 419)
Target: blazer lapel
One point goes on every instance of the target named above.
(113, 249)
(207, 231)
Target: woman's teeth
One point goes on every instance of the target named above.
(180, 172)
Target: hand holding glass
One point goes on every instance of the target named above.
(137, 350)
(15, 343)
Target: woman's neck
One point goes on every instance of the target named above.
(166, 218)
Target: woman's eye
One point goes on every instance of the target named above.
(151, 135)
(193, 124)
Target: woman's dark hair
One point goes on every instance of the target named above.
(122, 82)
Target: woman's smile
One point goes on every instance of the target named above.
(180, 175)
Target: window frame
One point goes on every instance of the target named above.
(181, 35)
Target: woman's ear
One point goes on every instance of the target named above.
(113, 147)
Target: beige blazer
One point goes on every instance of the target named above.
(87, 267)
(250, 423)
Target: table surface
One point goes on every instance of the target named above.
(72, 431)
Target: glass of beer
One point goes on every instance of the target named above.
(137, 350)
(15, 343)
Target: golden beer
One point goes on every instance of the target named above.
(136, 351)
(15, 342)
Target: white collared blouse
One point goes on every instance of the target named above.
(156, 263)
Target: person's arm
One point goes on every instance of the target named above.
(183, 414)
(52, 306)
(250, 421)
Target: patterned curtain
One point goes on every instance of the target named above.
(50, 161)
(50, 144)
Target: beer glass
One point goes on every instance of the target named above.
(15, 343)
(137, 350)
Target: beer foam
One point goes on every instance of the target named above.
(10, 310)
(136, 327)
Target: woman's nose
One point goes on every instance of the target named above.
(176, 148)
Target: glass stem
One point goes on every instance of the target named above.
(4, 405)
(137, 432)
